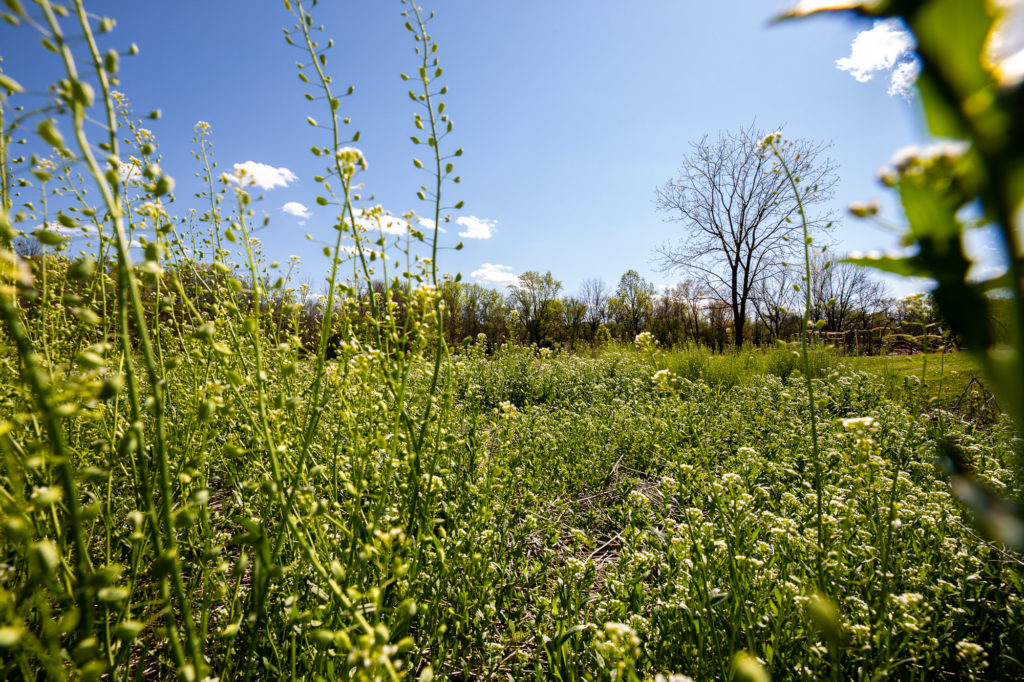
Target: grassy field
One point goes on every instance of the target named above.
(190, 489)
(943, 376)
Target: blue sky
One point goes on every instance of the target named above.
(570, 113)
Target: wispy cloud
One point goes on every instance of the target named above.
(886, 47)
(476, 228)
(81, 230)
(351, 250)
(494, 275)
(263, 176)
(296, 209)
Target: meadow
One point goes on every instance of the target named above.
(191, 489)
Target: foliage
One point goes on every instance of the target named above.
(190, 489)
(971, 96)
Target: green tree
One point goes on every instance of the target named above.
(632, 304)
(535, 298)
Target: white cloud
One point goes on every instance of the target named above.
(476, 228)
(388, 224)
(885, 47)
(296, 209)
(351, 250)
(428, 224)
(262, 175)
(129, 172)
(497, 275)
(903, 78)
(79, 230)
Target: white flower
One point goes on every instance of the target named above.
(350, 157)
(860, 424)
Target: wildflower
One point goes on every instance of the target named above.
(769, 140)
(13, 271)
(645, 342)
(860, 424)
(667, 381)
(970, 652)
(349, 158)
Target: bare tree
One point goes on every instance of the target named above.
(775, 300)
(739, 212)
(838, 290)
(594, 294)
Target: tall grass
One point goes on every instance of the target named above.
(191, 489)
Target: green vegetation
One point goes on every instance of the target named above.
(190, 488)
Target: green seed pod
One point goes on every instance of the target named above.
(128, 629)
(9, 84)
(48, 238)
(44, 556)
(110, 388)
(111, 61)
(82, 93)
(10, 635)
(206, 409)
(16, 528)
(825, 615)
(204, 332)
(87, 316)
(164, 185)
(87, 360)
(82, 268)
(746, 668)
(185, 518)
(47, 130)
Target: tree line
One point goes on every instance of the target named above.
(855, 309)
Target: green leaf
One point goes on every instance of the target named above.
(951, 34)
(907, 267)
